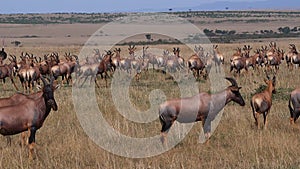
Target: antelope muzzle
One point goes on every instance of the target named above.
(52, 104)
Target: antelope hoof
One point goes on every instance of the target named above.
(292, 121)
(207, 136)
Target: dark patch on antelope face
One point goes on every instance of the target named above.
(49, 96)
(238, 98)
(52, 104)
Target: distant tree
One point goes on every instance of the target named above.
(285, 30)
(208, 32)
(148, 37)
(295, 29)
(232, 32)
(16, 43)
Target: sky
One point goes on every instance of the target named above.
(88, 6)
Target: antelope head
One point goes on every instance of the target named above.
(48, 93)
(271, 82)
(235, 94)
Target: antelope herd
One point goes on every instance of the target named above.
(27, 112)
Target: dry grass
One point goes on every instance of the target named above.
(236, 143)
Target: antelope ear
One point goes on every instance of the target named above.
(266, 81)
(39, 87)
(234, 89)
(57, 87)
(274, 80)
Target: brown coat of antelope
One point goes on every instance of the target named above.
(6, 70)
(195, 64)
(201, 107)
(28, 115)
(261, 102)
(217, 57)
(294, 105)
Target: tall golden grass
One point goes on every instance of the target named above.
(236, 143)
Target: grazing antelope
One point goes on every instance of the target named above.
(261, 102)
(217, 57)
(201, 107)
(29, 115)
(294, 105)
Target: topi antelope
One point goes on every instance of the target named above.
(180, 59)
(295, 58)
(29, 115)
(6, 70)
(217, 57)
(3, 54)
(261, 102)
(201, 107)
(294, 105)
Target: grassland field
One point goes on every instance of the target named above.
(236, 143)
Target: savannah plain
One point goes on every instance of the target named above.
(236, 143)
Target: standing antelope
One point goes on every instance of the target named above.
(196, 65)
(272, 49)
(217, 57)
(180, 59)
(201, 107)
(236, 55)
(152, 58)
(28, 73)
(294, 105)
(125, 63)
(275, 59)
(29, 115)
(6, 70)
(65, 68)
(3, 54)
(261, 102)
(239, 64)
(295, 58)
(116, 60)
(104, 66)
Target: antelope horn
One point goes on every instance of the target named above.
(268, 77)
(75, 56)
(232, 81)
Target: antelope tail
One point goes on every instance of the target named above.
(291, 109)
(252, 106)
